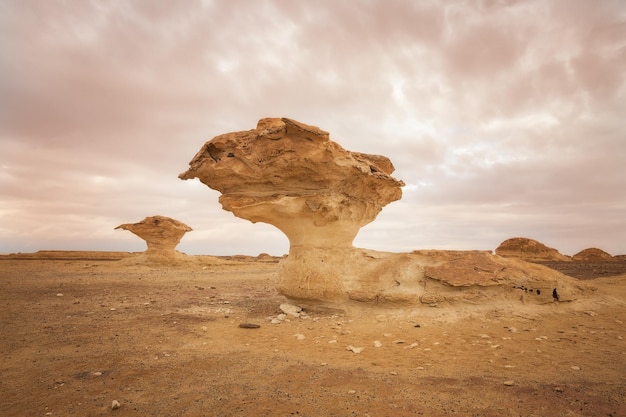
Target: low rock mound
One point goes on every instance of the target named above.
(593, 255)
(529, 250)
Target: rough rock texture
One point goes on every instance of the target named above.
(430, 277)
(529, 250)
(593, 255)
(161, 234)
(294, 177)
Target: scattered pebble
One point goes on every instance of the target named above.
(96, 373)
(249, 325)
(351, 391)
(411, 346)
(355, 349)
(299, 336)
(59, 295)
(576, 368)
(509, 383)
(377, 344)
(291, 309)
(115, 405)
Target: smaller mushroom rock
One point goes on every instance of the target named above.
(593, 255)
(529, 250)
(161, 234)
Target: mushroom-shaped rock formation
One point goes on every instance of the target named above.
(161, 234)
(529, 250)
(593, 255)
(294, 177)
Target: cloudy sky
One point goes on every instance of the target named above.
(503, 118)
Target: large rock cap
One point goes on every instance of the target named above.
(529, 250)
(292, 176)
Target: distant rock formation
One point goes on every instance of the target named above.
(294, 177)
(161, 234)
(593, 255)
(529, 250)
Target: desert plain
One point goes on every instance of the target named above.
(102, 333)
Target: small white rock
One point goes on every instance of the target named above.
(355, 349)
(299, 336)
(276, 321)
(351, 391)
(576, 368)
(377, 344)
(509, 383)
(59, 295)
(291, 309)
(115, 404)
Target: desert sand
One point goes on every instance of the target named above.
(82, 330)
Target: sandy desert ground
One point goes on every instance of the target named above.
(81, 330)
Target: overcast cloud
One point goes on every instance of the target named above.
(503, 118)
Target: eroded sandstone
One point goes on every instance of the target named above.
(294, 177)
(162, 235)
